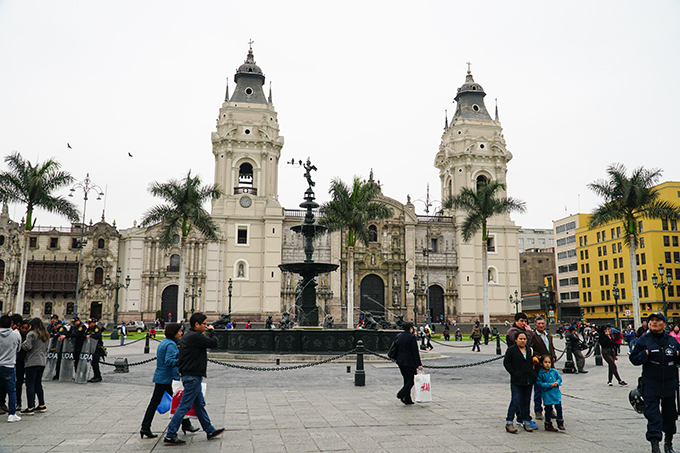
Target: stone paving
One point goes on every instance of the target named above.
(319, 409)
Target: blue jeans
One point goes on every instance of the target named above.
(549, 409)
(191, 396)
(538, 398)
(520, 398)
(9, 380)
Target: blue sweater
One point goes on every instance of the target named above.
(167, 357)
(550, 395)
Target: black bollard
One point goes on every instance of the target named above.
(598, 353)
(569, 364)
(349, 368)
(278, 361)
(498, 344)
(146, 345)
(359, 373)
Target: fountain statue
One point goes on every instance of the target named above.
(307, 310)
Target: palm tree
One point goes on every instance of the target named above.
(352, 208)
(184, 209)
(482, 204)
(34, 185)
(628, 199)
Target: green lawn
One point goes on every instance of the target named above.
(134, 336)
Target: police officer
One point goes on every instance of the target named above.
(76, 331)
(657, 352)
(58, 330)
(93, 331)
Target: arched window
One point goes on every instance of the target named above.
(373, 233)
(69, 308)
(2, 270)
(27, 308)
(48, 308)
(174, 263)
(101, 243)
(481, 179)
(98, 276)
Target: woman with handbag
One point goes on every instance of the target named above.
(167, 357)
(408, 359)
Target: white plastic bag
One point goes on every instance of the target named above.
(422, 388)
(177, 390)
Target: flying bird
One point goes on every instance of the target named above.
(129, 154)
(69, 146)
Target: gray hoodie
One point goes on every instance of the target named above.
(10, 342)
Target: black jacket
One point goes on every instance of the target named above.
(658, 354)
(193, 354)
(407, 350)
(521, 369)
(606, 342)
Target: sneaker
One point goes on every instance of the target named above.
(13, 418)
(583, 371)
(623, 383)
(41, 409)
(215, 433)
(532, 425)
(539, 415)
(27, 411)
(609, 383)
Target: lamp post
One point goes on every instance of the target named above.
(545, 296)
(86, 186)
(415, 291)
(515, 301)
(193, 295)
(229, 289)
(117, 286)
(660, 284)
(616, 292)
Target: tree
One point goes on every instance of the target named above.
(33, 186)
(351, 209)
(628, 199)
(184, 210)
(482, 204)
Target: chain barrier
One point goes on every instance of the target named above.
(131, 364)
(467, 365)
(452, 345)
(282, 368)
(126, 344)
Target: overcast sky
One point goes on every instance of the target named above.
(357, 85)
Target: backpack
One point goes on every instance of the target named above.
(394, 349)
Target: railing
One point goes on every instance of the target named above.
(250, 190)
(435, 219)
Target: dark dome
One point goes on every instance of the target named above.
(249, 67)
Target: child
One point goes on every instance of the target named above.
(549, 380)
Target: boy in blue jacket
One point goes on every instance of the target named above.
(549, 380)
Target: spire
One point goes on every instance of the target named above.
(5, 210)
(270, 93)
(446, 119)
(249, 81)
(496, 109)
(226, 96)
(470, 100)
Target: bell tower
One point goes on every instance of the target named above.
(247, 147)
(473, 150)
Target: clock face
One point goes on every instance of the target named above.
(245, 201)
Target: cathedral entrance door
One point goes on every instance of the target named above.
(437, 303)
(373, 295)
(96, 310)
(169, 302)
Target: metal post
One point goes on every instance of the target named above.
(498, 344)
(146, 345)
(359, 373)
(598, 353)
(230, 288)
(569, 364)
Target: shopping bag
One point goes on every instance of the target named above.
(422, 388)
(177, 397)
(165, 404)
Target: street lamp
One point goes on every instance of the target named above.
(117, 286)
(415, 291)
(616, 292)
(229, 289)
(662, 285)
(193, 295)
(516, 301)
(545, 296)
(86, 186)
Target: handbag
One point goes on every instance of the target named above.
(165, 404)
(422, 388)
(394, 349)
(178, 388)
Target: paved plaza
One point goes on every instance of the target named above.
(320, 409)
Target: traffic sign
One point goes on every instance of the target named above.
(627, 312)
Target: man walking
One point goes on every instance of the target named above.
(193, 362)
(486, 332)
(10, 342)
(541, 344)
(658, 353)
(573, 339)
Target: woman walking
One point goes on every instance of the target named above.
(476, 335)
(609, 355)
(408, 359)
(167, 357)
(518, 362)
(36, 359)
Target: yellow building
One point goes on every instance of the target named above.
(603, 261)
